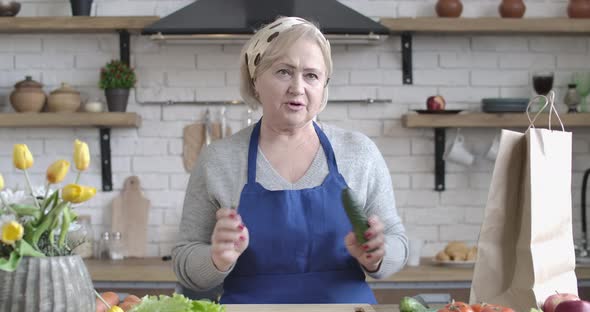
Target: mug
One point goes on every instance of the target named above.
(493, 150)
(458, 153)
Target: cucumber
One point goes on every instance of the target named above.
(409, 304)
(355, 215)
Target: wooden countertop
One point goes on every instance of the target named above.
(156, 270)
(309, 308)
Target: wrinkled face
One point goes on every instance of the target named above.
(291, 90)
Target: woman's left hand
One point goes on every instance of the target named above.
(369, 254)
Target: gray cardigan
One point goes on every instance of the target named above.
(220, 174)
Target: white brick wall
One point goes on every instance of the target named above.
(464, 69)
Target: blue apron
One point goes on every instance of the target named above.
(296, 252)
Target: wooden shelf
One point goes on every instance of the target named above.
(75, 24)
(487, 120)
(67, 120)
(488, 25)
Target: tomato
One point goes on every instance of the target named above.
(457, 306)
(478, 307)
(496, 308)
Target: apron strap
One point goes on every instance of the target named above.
(330, 157)
(253, 151)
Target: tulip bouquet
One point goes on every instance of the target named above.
(31, 229)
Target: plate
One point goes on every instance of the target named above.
(440, 112)
(506, 101)
(454, 264)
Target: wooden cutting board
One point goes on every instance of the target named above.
(129, 216)
(194, 140)
(299, 308)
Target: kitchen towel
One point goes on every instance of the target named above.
(526, 246)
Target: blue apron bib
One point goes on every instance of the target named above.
(296, 252)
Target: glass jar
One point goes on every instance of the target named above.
(117, 250)
(572, 98)
(81, 237)
(102, 250)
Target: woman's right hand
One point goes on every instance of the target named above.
(230, 238)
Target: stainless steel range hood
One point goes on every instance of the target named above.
(223, 21)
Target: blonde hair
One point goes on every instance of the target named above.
(277, 49)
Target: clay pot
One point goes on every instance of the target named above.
(578, 9)
(64, 99)
(449, 8)
(9, 8)
(512, 8)
(28, 96)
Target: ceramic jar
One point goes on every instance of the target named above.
(64, 99)
(578, 9)
(28, 96)
(49, 284)
(512, 8)
(449, 8)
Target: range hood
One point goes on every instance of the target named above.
(236, 20)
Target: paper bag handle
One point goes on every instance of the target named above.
(549, 100)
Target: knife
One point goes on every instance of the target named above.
(207, 127)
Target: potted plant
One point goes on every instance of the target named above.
(116, 78)
(35, 254)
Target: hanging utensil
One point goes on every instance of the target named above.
(223, 122)
(207, 127)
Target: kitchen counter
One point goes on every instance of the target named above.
(312, 308)
(154, 276)
(155, 270)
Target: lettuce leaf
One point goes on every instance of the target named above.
(176, 303)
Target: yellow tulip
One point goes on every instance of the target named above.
(75, 193)
(12, 231)
(22, 157)
(1, 182)
(81, 155)
(115, 309)
(57, 171)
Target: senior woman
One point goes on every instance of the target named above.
(263, 212)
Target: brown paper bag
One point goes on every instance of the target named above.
(526, 246)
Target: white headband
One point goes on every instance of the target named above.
(265, 36)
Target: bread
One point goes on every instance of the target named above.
(456, 247)
(472, 254)
(442, 256)
(457, 251)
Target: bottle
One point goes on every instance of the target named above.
(81, 237)
(102, 250)
(449, 8)
(572, 98)
(117, 249)
(512, 8)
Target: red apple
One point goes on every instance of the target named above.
(573, 306)
(435, 102)
(552, 301)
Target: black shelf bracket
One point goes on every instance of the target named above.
(105, 159)
(407, 76)
(105, 133)
(439, 162)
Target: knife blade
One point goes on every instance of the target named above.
(207, 127)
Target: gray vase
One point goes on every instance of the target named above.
(117, 99)
(52, 284)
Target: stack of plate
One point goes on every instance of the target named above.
(504, 105)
